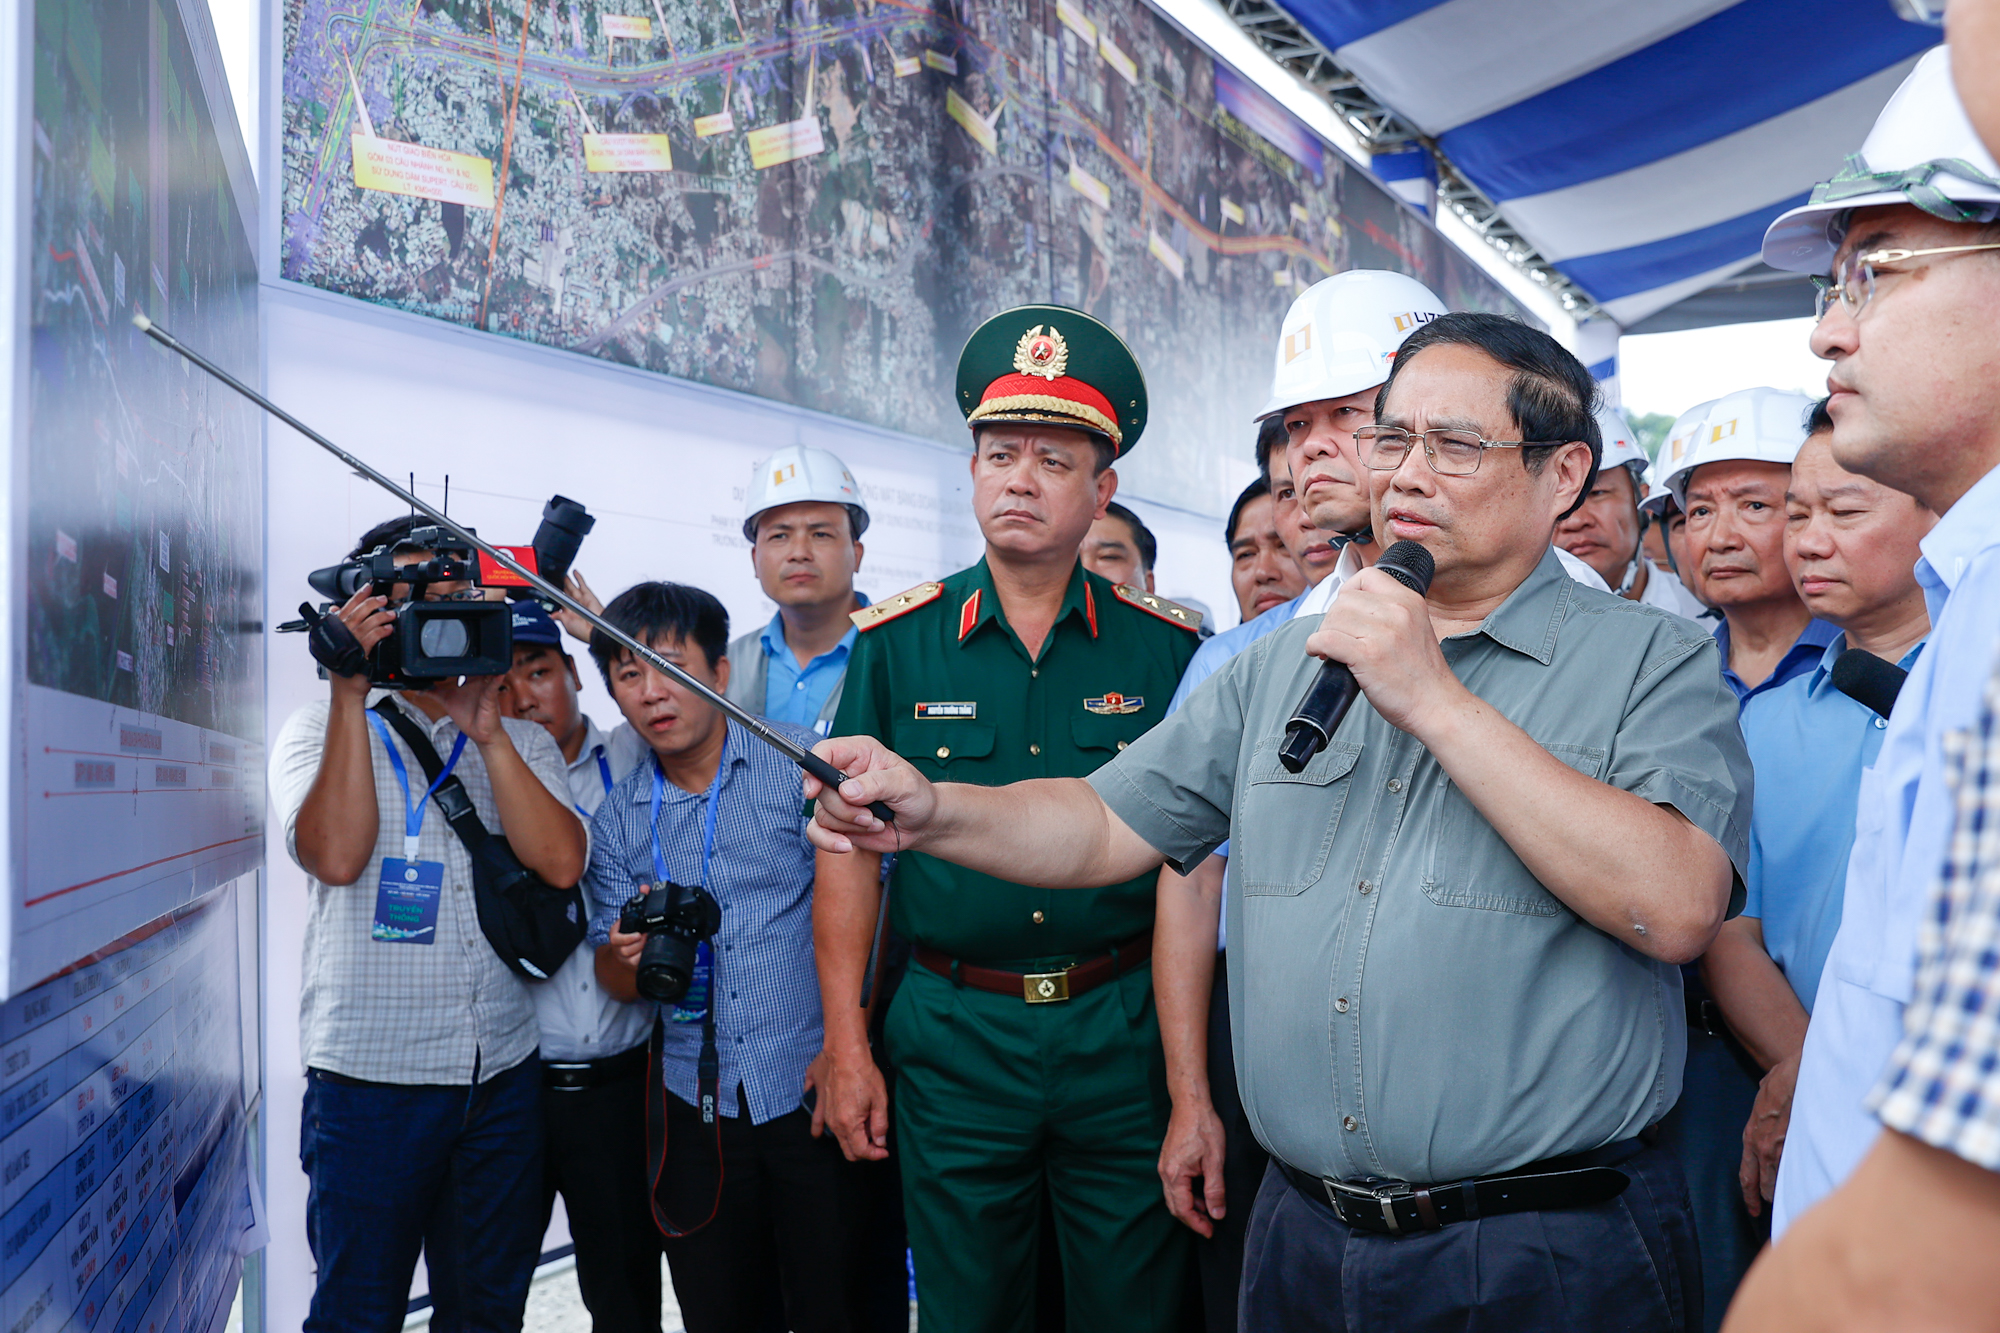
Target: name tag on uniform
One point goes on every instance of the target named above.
(966, 710)
(406, 903)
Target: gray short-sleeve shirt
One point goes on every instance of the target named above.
(1409, 1001)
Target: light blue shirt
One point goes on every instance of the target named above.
(1209, 659)
(1808, 743)
(1800, 658)
(794, 693)
(1901, 833)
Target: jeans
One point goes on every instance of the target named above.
(389, 1163)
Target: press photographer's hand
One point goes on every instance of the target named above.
(369, 620)
(474, 703)
(576, 625)
(875, 773)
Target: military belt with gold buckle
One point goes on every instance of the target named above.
(1041, 987)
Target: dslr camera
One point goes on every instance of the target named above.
(674, 919)
(432, 640)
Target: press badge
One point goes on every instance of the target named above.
(406, 904)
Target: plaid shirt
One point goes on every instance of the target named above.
(1943, 1082)
(407, 1013)
(766, 986)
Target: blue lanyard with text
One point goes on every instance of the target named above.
(413, 812)
(708, 1068)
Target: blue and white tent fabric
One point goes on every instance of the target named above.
(1641, 146)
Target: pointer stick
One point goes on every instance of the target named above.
(785, 745)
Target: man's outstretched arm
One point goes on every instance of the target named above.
(1052, 833)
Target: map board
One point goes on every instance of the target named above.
(818, 203)
(138, 492)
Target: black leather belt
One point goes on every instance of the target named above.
(1397, 1207)
(576, 1075)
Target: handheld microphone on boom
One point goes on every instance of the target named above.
(1868, 680)
(1318, 715)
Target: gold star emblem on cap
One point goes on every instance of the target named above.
(1043, 352)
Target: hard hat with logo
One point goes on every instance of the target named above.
(1759, 425)
(1341, 335)
(1678, 445)
(797, 474)
(1657, 496)
(1621, 444)
(1923, 152)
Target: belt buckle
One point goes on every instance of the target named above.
(1366, 1199)
(1045, 987)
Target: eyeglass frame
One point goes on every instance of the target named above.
(1825, 285)
(1362, 438)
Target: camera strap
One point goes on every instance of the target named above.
(413, 811)
(708, 1069)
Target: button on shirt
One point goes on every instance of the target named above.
(1902, 831)
(1484, 1025)
(407, 1013)
(794, 693)
(1800, 658)
(579, 1019)
(1808, 745)
(766, 987)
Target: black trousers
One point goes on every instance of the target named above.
(595, 1157)
(1629, 1264)
(1220, 1257)
(784, 1241)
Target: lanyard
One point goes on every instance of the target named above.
(413, 812)
(710, 800)
(603, 771)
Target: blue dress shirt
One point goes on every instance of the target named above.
(794, 693)
(1808, 744)
(1902, 832)
(1800, 658)
(766, 987)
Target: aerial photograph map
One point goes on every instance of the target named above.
(817, 202)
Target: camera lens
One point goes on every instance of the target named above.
(444, 638)
(666, 966)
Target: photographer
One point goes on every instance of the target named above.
(422, 1122)
(755, 1206)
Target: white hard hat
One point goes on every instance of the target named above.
(1760, 425)
(1657, 495)
(1341, 335)
(1923, 152)
(1621, 443)
(1679, 445)
(802, 473)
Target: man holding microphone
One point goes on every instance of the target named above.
(1459, 923)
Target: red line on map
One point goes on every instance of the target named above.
(132, 870)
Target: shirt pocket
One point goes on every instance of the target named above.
(1471, 865)
(1099, 736)
(1289, 819)
(938, 746)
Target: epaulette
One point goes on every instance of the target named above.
(882, 612)
(1173, 613)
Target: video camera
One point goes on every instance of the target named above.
(674, 919)
(463, 634)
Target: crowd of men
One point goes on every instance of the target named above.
(1643, 907)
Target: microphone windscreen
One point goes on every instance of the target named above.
(1868, 680)
(1410, 564)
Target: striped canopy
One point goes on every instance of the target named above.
(1641, 145)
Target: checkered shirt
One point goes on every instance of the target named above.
(407, 1013)
(1943, 1082)
(766, 987)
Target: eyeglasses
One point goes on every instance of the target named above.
(1854, 281)
(1451, 453)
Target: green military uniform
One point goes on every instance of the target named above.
(1000, 1097)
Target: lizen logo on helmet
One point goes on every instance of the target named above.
(1298, 343)
(1410, 319)
(1722, 431)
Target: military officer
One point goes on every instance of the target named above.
(1027, 1053)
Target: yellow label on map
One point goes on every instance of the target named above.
(907, 65)
(1117, 59)
(1089, 186)
(427, 173)
(1169, 258)
(707, 127)
(1073, 19)
(627, 25)
(1300, 216)
(627, 152)
(941, 62)
(775, 145)
(1232, 211)
(975, 124)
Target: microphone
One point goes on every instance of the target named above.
(1318, 715)
(1868, 680)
